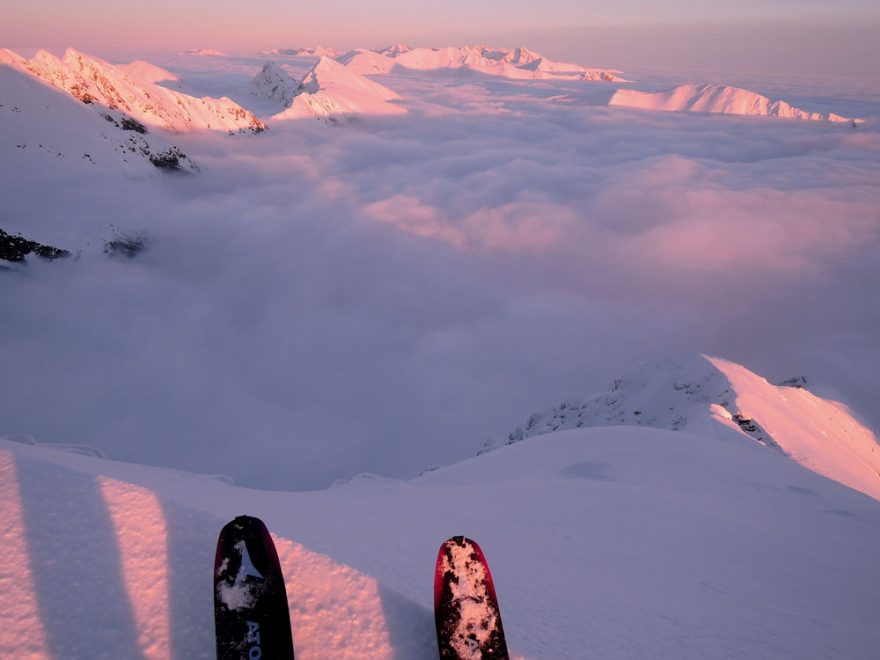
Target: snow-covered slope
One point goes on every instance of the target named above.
(273, 84)
(94, 81)
(613, 543)
(147, 71)
(365, 61)
(710, 97)
(330, 90)
(708, 395)
(518, 63)
(48, 136)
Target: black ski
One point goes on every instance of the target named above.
(251, 615)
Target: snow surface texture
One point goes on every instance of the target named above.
(382, 298)
(608, 542)
(722, 99)
(712, 396)
(92, 80)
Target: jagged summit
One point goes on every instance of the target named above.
(92, 80)
(711, 396)
(520, 63)
(274, 84)
(714, 98)
(330, 90)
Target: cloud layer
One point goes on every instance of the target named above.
(383, 295)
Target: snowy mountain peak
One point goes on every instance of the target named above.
(394, 49)
(274, 84)
(330, 89)
(715, 397)
(92, 80)
(714, 98)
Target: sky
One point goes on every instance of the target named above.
(783, 36)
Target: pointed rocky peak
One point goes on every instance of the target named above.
(274, 84)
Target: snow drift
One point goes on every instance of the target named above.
(723, 99)
(716, 397)
(92, 80)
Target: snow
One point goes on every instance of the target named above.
(92, 80)
(518, 63)
(705, 394)
(329, 90)
(147, 71)
(274, 84)
(623, 542)
(352, 306)
(723, 99)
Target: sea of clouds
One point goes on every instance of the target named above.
(384, 294)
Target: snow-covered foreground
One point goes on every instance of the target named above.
(605, 542)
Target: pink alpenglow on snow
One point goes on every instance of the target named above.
(144, 70)
(518, 63)
(92, 80)
(716, 397)
(723, 99)
(330, 90)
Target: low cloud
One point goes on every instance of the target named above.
(382, 296)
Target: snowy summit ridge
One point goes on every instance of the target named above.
(710, 396)
(518, 63)
(92, 80)
(329, 90)
(721, 99)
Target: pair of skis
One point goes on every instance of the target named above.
(250, 601)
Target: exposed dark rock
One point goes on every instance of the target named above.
(126, 245)
(16, 248)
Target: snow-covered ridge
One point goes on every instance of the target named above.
(519, 63)
(49, 133)
(92, 80)
(144, 70)
(723, 99)
(712, 396)
(273, 84)
(313, 51)
(328, 90)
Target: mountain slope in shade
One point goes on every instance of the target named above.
(693, 542)
(314, 51)
(711, 396)
(723, 99)
(330, 90)
(273, 84)
(519, 63)
(92, 80)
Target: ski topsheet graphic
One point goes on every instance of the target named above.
(250, 603)
(465, 606)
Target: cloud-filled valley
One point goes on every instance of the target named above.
(385, 293)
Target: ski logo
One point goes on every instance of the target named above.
(247, 565)
(255, 651)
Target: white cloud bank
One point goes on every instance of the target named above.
(382, 296)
